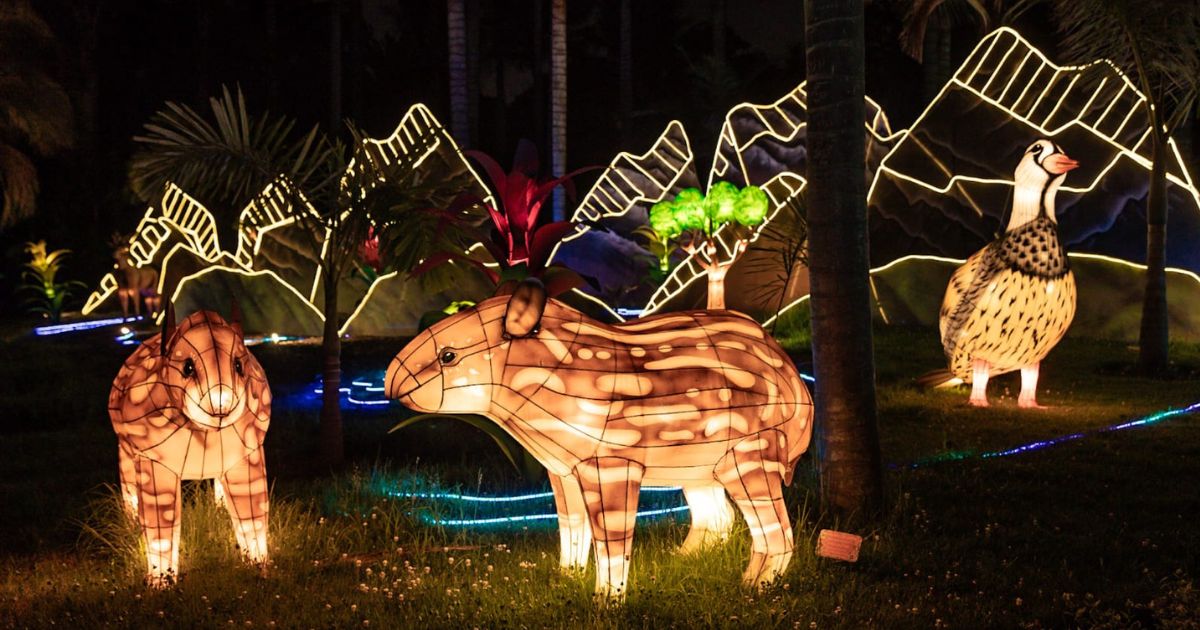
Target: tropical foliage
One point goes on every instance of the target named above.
(1154, 41)
(518, 244)
(36, 117)
(41, 279)
(332, 189)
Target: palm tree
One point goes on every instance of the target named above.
(843, 353)
(625, 72)
(558, 99)
(231, 160)
(456, 25)
(36, 118)
(1154, 41)
(932, 48)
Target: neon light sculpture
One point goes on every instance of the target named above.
(705, 400)
(1011, 303)
(192, 403)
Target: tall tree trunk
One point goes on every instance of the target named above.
(625, 73)
(332, 446)
(473, 12)
(935, 58)
(456, 35)
(843, 353)
(335, 66)
(558, 99)
(1155, 333)
(271, 40)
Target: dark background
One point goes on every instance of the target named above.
(120, 60)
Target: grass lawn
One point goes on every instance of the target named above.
(1098, 531)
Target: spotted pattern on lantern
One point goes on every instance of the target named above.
(199, 410)
(704, 400)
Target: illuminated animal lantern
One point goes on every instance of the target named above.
(705, 400)
(1012, 301)
(134, 283)
(192, 403)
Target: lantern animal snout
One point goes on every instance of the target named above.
(192, 403)
(703, 400)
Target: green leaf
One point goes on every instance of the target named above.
(509, 446)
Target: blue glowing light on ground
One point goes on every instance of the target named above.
(549, 516)
(58, 329)
(361, 391)
(1038, 445)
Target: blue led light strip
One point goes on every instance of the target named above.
(1055, 441)
(451, 496)
(468, 522)
(58, 329)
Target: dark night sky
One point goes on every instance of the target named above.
(140, 54)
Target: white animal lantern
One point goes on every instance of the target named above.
(1012, 301)
(705, 400)
(192, 403)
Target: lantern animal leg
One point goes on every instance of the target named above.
(574, 530)
(159, 503)
(712, 517)
(219, 494)
(979, 380)
(245, 487)
(753, 476)
(1029, 378)
(124, 295)
(129, 486)
(610, 488)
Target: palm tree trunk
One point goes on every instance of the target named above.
(335, 65)
(625, 72)
(332, 446)
(558, 99)
(1155, 333)
(456, 26)
(473, 12)
(843, 353)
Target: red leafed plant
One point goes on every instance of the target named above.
(516, 242)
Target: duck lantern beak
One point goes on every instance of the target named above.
(1059, 163)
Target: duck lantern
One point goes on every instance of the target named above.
(1011, 302)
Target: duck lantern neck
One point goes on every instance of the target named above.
(1036, 181)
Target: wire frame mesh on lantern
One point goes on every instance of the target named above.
(703, 400)
(192, 403)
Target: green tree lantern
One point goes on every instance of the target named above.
(691, 220)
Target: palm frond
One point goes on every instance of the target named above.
(1153, 41)
(19, 178)
(229, 158)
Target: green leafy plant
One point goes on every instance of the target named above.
(692, 219)
(521, 460)
(41, 279)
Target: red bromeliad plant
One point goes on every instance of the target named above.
(515, 240)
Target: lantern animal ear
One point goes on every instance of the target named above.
(168, 328)
(524, 313)
(235, 317)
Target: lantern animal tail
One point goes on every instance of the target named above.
(938, 379)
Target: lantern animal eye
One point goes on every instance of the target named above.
(189, 368)
(1035, 149)
(237, 367)
(447, 357)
